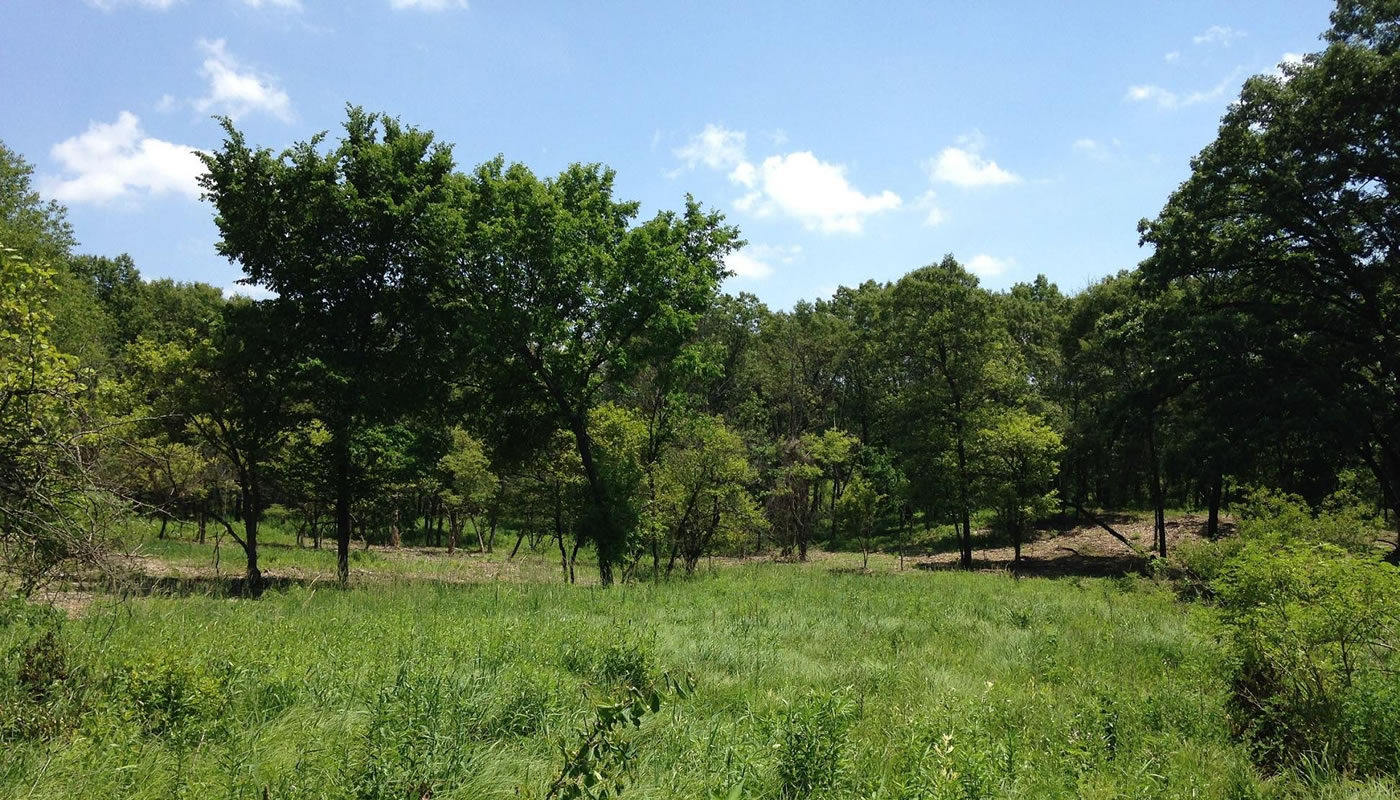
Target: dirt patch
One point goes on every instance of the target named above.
(1084, 549)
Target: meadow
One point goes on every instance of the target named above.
(809, 680)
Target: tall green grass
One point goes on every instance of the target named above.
(809, 682)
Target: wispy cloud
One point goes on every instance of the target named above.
(1222, 35)
(237, 90)
(986, 266)
(1167, 99)
(427, 5)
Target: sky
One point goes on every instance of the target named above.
(848, 141)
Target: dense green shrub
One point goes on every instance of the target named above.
(1270, 520)
(1313, 630)
(173, 697)
(811, 742)
(40, 685)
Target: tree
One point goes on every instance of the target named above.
(1288, 228)
(235, 394)
(859, 510)
(469, 485)
(36, 231)
(560, 295)
(356, 242)
(1018, 457)
(702, 498)
(51, 512)
(942, 337)
(833, 451)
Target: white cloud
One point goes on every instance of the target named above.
(744, 265)
(928, 202)
(1095, 148)
(716, 147)
(744, 174)
(166, 103)
(110, 5)
(235, 90)
(964, 166)
(986, 266)
(796, 185)
(110, 160)
(755, 262)
(1167, 99)
(817, 194)
(427, 5)
(1172, 56)
(1222, 35)
(289, 5)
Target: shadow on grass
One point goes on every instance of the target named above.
(207, 585)
(1072, 565)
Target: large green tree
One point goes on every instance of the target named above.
(942, 336)
(356, 240)
(1289, 230)
(561, 294)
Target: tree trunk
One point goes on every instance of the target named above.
(1213, 503)
(1158, 500)
(601, 526)
(965, 537)
(573, 558)
(439, 513)
(342, 509)
(252, 505)
(453, 526)
(480, 540)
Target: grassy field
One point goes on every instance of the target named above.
(810, 680)
(466, 676)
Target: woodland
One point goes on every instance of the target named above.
(497, 492)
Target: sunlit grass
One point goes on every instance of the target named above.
(930, 685)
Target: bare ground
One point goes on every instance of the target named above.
(1084, 549)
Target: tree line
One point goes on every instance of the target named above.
(460, 355)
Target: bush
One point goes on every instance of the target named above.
(174, 698)
(417, 738)
(620, 662)
(1312, 630)
(39, 684)
(1270, 520)
(811, 744)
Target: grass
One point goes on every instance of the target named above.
(810, 680)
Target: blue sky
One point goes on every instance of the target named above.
(848, 141)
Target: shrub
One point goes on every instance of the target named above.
(174, 698)
(1271, 520)
(621, 662)
(811, 744)
(417, 738)
(1312, 629)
